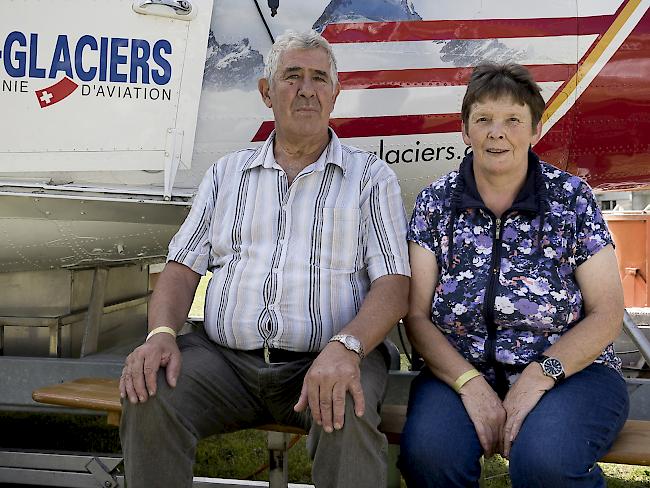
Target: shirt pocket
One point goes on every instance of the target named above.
(339, 241)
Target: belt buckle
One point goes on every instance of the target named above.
(267, 354)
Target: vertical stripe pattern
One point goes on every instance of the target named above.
(291, 264)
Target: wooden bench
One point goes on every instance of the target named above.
(631, 447)
(102, 394)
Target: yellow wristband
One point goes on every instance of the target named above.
(158, 330)
(464, 378)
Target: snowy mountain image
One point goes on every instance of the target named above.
(469, 52)
(339, 11)
(230, 66)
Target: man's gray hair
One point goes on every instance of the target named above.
(298, 40)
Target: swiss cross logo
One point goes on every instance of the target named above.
(46, 97)
(55, 93)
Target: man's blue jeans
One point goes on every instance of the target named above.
(572, 426)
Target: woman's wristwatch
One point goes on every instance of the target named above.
(552, 367)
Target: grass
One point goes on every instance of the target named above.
(616, 475)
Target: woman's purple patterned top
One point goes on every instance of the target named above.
(507, 287)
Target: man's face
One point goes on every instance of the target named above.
(302, 94)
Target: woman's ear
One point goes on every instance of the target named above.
(463, 130)
(537, 133)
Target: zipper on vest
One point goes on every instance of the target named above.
(490, 292)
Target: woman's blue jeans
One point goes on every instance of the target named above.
(573, 425)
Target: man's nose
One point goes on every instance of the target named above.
(307, 88)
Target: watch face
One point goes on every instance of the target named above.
(352, 342)
(552, 367)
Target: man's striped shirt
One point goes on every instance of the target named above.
(291, 264)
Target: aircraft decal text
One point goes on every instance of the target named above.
(106, 67)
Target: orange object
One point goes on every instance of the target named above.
(631, 233)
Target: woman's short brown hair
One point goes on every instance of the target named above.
(495, 81)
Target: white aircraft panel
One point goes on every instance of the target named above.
(410, 101)
(372, 56)
(500, 9)
(115, 91)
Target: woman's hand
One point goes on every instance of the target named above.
(521, 399)
(487, 413)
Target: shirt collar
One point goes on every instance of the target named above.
(528, 198)
(264, 157)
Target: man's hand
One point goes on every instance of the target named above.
(487, 413)
(334, 372)
(138, 380)
(521, 399)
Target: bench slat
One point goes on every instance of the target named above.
(631, 447)
(92, 393)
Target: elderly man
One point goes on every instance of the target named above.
(305, 238)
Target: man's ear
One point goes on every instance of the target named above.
(337, 90)
(263, 87)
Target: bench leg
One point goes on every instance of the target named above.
(278, 457)
(102, 473)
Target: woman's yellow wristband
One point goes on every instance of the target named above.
(464, 378)
(158, 330)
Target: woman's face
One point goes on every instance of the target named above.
(500, 132)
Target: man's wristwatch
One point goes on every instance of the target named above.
(552, 367)
(350, 342)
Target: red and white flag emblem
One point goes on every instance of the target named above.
(55, 93)
(408, 77)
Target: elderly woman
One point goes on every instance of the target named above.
(515, 301)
